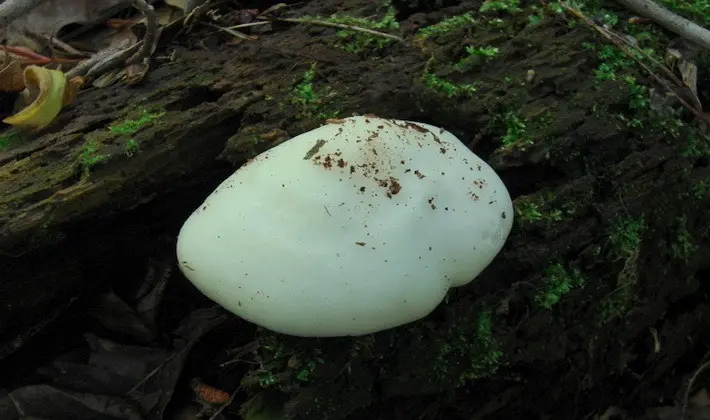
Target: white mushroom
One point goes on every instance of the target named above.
(355, 227)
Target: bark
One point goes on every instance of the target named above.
(612, 201)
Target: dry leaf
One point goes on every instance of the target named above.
(11, 77)
(108, 78)
(45, 89)
(50, 16)
(688, 73)
(72, 89)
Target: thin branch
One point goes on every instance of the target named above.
(246, 25)
(99, 63)
(12, 9)
(335, 25)
(151, 28)
(624, 46)
(686, 394)
(231, 31)
(669, 20)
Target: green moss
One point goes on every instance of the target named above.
(625, 238)
(532, 209)
(528, 212)
(447, 26)
(697, 143)
(700, 189)
(516, 135)
(697, 10)
(683, 246)
(484, 53)
(479, 351)
(446, 87)
(539, 13)
(312, 103)
(132, 126)
(358, 41)
(502, 6)
(90, 156)
(558, 281)
(9, 139)
(131, 147)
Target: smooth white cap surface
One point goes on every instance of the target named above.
(358, 226)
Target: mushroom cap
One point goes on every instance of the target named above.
(357, 226)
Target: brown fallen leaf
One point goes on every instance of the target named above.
(52, 15)
(11, 78)
(72, 89)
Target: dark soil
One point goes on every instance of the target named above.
(623, 206)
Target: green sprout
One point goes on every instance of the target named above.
(506, 6)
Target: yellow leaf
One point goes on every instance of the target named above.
(42, 111)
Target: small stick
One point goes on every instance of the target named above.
(24, 52)
(335, 25)
(246, 25)
(99, 63)
(151, 27)
(617, 40)
(230, 31)
(669, 20)
(66, 47)
(34, 58)
(686, 394)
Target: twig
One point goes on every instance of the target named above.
(151, 27)
(686, 394)
(7, 348)
(230, 31)
(24, 52)
(246, 25)
(669, 20)
(618, 40)
(35, 58)
(12, 9)
(102, 62)
(66, 47)
(334, 25)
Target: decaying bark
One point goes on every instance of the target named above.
(609, 198)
